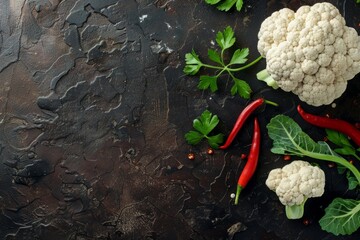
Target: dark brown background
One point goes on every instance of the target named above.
(94, 106)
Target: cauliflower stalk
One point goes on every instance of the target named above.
(310, 52)
(294, 184)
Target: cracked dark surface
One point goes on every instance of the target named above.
(94, 106)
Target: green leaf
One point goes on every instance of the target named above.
(226, 39)
(337, 138)
(212, 2)
(206, 123)
(208, 82)
(239, 56)
(215, 141)
(342, 217)
(226, 5)
(345, 150)
(239, 4)
(193, 137)
(193, 63)
(214, 56)
(242, 88)
(203, 126)
(352, 183)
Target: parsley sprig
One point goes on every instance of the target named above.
(225, 40)
(204, 125)
(226, 5)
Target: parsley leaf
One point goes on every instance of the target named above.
(241, 87)
(208, 82)
(193, 63)
(225, 40)
(203, 126)
(239, 56)
(226, 5)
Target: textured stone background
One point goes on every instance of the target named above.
(93, 109)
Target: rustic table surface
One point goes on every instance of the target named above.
(94, 106)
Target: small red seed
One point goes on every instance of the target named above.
(306, 222)
(357, 125)
(326, 139)
(331, 165)
(243, 156)
(191, 156)
(351, 161)
(287, 157)
(210, 151)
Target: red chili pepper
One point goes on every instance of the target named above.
(241, 120)
(331, 123)
(251, 163)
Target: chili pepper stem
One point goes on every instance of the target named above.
(271, 103)
(238, 191)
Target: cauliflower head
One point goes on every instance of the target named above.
(310, 52)
(296, 182)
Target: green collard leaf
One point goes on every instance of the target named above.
(193, 63)
(239, 56)
(288, 138)
(241, 88)
(207, 82)
(214, 56)
(226, 39)
(342, 217)
(193, 137)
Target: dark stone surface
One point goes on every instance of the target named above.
(94, 106)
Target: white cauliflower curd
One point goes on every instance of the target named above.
(294, 184)
(310, 52)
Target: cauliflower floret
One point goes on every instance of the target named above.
(294, 184)
(313, 41)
